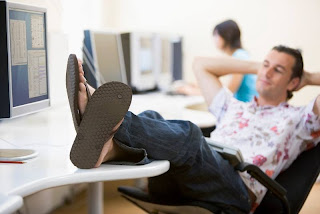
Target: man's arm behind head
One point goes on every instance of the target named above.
(208, 70)
(311, 79)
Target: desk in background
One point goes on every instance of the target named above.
(175, 107)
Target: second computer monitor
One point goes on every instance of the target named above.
(145, 61)
(171, 61)
(103, 58)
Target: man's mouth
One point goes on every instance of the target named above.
(265, 82)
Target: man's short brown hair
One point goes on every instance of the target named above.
(297, 69)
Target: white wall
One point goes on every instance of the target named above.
(264, 24)
(77, 16)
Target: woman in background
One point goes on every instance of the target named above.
(227, 38)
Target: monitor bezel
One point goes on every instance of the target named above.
(36, 106)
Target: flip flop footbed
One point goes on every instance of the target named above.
(106, 108)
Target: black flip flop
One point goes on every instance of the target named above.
(72, 84)
(106, 108)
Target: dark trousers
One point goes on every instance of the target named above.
(196, 170)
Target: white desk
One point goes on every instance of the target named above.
(178, 107)
(51, 133)
(10, 203)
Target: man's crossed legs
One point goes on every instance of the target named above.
(196, 171)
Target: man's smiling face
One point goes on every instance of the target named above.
(274, 77)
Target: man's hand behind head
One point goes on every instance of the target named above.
(303, 81)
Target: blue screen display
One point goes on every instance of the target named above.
(28, 55)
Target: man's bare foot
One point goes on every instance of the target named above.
(109, 152)
(82, 78)
(83, 98)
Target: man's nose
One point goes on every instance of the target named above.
(268, 72)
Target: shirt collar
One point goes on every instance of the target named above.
(255, 106)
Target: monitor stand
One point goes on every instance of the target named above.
(17, 154)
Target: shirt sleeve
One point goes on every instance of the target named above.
(220, 103)
(309, 126)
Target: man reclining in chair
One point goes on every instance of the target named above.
(269, 132)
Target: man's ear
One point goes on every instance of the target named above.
(293, 84)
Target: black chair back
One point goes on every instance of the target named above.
(298, 180)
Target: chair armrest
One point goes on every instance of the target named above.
(230, 153)
(266, 181)
(233, 155)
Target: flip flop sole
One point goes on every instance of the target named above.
(72, 84)
(106, 108)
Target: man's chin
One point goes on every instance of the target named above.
(265, 93)
(263, 88)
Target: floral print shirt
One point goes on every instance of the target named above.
(270, 137)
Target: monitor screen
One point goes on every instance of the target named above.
(27, 58)
(145, 50)
(146, 56)
(171, 63)
(102, 50)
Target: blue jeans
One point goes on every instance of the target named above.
(197, 171)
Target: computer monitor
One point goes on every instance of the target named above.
(23, 59)
(102, 58)
(142, 56)
(171, 61)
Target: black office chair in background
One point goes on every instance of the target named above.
(286, 194)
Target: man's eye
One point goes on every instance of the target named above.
(278, 70)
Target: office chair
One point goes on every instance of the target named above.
(291, 189)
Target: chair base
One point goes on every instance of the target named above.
(166, 209)
(156, 205)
